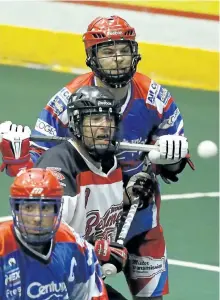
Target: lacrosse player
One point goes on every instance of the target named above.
(40, 258)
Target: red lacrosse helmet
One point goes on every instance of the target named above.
(36, 183)
(104, 29)
(38, 187)
(110, 30)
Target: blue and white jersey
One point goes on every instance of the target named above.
(70, 270)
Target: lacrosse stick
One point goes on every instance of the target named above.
(109, 269)
(153, 149)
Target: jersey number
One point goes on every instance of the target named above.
(72, 265)
(87, 193)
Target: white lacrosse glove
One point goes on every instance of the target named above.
(15, 146)
(9, 127)
(4, 128)
(171, 148)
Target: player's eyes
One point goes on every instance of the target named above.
(47, 207)
(96, 119)
(28, 208)
(108, 52)
(126, 51)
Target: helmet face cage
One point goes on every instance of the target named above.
(77, 125)
(118, 77)
(39, 234)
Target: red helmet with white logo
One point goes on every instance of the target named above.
(104, 29)
(37, 187)
(110, 30)
(36, 183)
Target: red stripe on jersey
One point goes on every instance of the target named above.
(8, 243)
(89, 178)
(79, 81)
(64, 234)
(141, 86)
(166, 288)
(50, 109)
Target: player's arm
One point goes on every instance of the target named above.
(52, 121)
(85, 279)
(17, 151)
(169, 136)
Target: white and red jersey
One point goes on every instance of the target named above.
(149, 111)
(93, 200)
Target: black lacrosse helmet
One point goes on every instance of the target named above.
(90, 101)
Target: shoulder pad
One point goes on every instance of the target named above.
(158, 97)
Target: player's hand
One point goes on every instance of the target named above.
(15, 145)
(172, 148)
(112, 253)
(4, 128)
(141, 185)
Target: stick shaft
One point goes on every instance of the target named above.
(122, 145)
(128, 221)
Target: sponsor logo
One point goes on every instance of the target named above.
(11, 265)
(36, 191)
(170, 122)
(135, 141)
(104, 103)
(65, 94)
(12, 279)
(115, 32)
(57, 105)
(36, 290)
(13, 293)
(103, 227)
(45, 128)
(151, 95)
(163, 95)
(146, 266)
(12, 261)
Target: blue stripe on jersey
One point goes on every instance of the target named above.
(34, 156)
(142, 222)
(161, 283)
